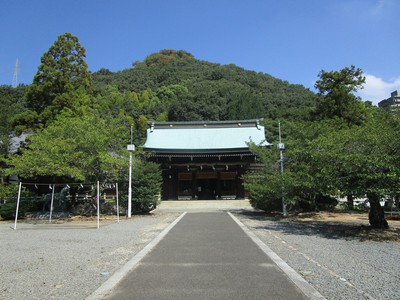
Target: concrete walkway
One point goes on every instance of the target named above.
(208, 256)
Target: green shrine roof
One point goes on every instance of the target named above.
(204, 137)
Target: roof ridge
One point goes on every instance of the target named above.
(235, 123)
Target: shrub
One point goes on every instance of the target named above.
(146, 186)
(7, 210)
(265, 192)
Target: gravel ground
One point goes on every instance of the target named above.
(70, 260)
(339, 265)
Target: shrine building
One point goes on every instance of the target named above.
(204, 160)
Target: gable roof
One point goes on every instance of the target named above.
(204, 137)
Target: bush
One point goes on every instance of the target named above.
(7, 210)
(265, 192)
(8, 190)
(7, 206)
(146, 186)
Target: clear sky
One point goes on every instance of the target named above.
(289, 39)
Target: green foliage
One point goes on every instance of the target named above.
(62, 72)
(146, 186)
(361, 159)
(8, 203)
(12, 102)
(77, 147)
(296, 184)
(245, 104)
(7, 190)
(330, 158)
(201, 90)
(364, 161)
(26, 121)
(265, 190)
(167, 56)
(347, 80)
(131, 109)
(338, 100)
(7, 211)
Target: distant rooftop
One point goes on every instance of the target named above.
(204, 137)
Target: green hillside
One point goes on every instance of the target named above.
(209, 91)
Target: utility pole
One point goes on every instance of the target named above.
(281, 147)
(15, 75)
(131, 148)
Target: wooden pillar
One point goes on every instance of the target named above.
(239, 183)
(174, 184)
(219, 186)
(194, 184)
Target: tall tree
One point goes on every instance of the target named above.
(62, 71)
(297, 183)
(361, 161)
(336, 88)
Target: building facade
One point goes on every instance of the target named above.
(204, 160)
(392, 102)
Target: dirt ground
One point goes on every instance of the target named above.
(78, 219)
(348, 224)
(330, 216)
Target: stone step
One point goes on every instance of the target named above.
(204, 204)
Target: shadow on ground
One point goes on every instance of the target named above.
(311, 225)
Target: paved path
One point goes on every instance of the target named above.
(206, 256)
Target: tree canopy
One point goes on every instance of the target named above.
(12, 102)
(62, 72)
(338, 100)
(74, 147)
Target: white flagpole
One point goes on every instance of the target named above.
(98, 204)
(52, 202)
(16, 210)
(116, 191)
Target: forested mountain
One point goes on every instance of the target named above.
(208, 91)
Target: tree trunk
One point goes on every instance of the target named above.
(350, 202)
(376, 213)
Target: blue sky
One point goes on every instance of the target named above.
(289, 39)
